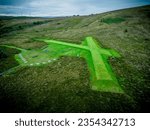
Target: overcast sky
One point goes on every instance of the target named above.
(64, 7)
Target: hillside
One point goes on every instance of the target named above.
(64, 85)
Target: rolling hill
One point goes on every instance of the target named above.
(64, 85)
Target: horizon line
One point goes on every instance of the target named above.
(15, 15)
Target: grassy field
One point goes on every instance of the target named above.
(64, 85)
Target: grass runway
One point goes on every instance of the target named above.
(101, 75)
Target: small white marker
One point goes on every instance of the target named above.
(49, 60)
(31, 64)
(43, 63)
(37, 63)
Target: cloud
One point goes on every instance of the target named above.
(64, 7)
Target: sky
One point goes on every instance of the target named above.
(64, 7)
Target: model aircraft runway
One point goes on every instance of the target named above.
(101, 76)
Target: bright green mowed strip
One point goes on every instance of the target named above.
(104, 80)
(101, 75)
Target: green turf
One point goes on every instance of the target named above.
(113, 20)
(102, 77)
